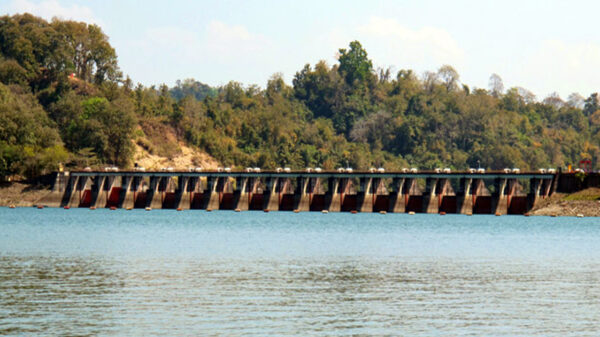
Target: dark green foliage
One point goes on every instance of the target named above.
(191, 87)
(48, 51)
(354, 64)
(104, 126)
(591, 104)
(29, 142)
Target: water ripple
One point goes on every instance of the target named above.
(140, 276)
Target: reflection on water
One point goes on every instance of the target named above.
(163, 284)
(48, 295)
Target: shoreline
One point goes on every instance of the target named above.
(21, 194)
(583, 203)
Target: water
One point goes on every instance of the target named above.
(136, 273)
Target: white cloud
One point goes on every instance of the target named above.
(173, 42)
(426, 48)
(218, 42)
(218, 51)
(48, 9)
(389, 43)
(234, 41)
(414, 44)
(561, 66)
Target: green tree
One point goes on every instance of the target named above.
(355, 66)
(592, 104)
(87, 50)
(191, 87)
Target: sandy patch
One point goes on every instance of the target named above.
(187, 157)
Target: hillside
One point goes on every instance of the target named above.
(160, 147)
(65, 101)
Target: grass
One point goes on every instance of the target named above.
(589, 194)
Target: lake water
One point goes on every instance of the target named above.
(137, 273)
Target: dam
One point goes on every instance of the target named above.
(468, 192)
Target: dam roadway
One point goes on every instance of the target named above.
(491, 192)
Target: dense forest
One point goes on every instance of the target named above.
(64, 101)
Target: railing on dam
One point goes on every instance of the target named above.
(492, 192)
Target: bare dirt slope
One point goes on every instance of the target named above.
(185, 157)
(586, 203)
(158, 146)
(21, 195)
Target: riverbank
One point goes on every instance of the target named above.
(585, 203)
(21, 195)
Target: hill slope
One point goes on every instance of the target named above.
(64, 100)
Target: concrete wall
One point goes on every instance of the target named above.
(459, 193)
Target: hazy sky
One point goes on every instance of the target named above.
(544, 46)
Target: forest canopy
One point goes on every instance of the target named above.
(64, 100)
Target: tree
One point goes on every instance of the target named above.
(575, 100)
(430, 80)
(355, 66)
(88, 51)
(106, 127)
(332, 114)
(12, 73)
(34, 46)
(591, 104)
(526, 95)
(29, 143)
(191, 87)
(384, 75)
(376, 130)
(496, 85)
(322, 89)
(554, 100)
(449, 77)
(276, 87)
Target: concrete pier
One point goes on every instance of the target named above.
(465, 196)
(334, 195)
(539, 189)
(271, 194)
(71, 197)
(427, 192)
(397, 201)
(430, 197)
(500, 196)
(104, 190)
(366, 195)
(55, 196)
(303, 194)
(155, 193)
(183, 194)
(243, 191)
(212, 195)
(128, 190)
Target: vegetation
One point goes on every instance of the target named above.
(63, 99)
(587, 194)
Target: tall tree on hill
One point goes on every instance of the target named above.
(191, 87)
(496, 85)
(592, 104)
(575, 100)
(88, 50)
(355, 66)
(449, 77)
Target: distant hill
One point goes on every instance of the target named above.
(64, 100)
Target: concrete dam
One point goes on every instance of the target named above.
(469, 192)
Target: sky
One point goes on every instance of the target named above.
(544, 46)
